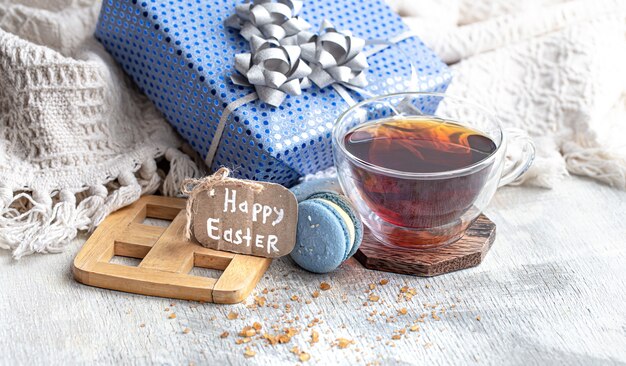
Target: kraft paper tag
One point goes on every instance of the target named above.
(246, 217)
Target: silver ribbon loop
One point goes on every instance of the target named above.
(285, 55)
(336, 57)
(269, 19)
(273, 69)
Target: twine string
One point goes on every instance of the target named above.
(193, 187)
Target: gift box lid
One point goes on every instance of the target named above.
(181, 54)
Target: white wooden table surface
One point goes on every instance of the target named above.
(552, 289)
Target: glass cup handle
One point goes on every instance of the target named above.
(514, 168)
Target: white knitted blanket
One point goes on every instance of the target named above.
(554, 68)
(78, 141)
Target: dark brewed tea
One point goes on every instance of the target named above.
(416, 145)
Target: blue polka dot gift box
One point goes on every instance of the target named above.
(257, 86)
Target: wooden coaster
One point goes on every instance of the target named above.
(166, 257)
(469, 251)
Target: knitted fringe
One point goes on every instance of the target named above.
(40, 222)
(595, 162)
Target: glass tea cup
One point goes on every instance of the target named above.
(425, 209)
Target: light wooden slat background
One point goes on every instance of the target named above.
(552, 290)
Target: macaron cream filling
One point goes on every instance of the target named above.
(344, 216)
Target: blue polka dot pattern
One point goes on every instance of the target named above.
(181, 55)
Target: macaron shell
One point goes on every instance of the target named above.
(321, 241)
(343, 219)
(347, 207)
(305, 189)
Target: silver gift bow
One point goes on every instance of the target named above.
(285, 61)
(335, 57)
(269, 19)
(284, 54)
(273, 69)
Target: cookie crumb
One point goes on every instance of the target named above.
(315, 294)
(374, 298)
(478, 317)
(344, 343)
(324, 286)
(232, 315)
(259, 301)
(224, 335)
(249, 352)
(315, 337)
(304, 357)
(384, 281)
(283, 338)
(247, 332)
(186, 331)
(172, 316)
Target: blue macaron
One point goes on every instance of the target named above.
(329, 232)
(310, 187)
